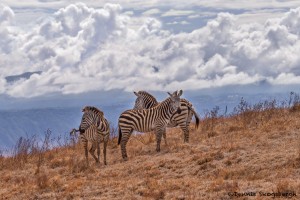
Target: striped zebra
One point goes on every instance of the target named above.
(145, 101)
(95, 129)
(146, 120)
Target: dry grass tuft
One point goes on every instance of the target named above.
(42, 181)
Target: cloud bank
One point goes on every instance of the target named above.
(80, 48)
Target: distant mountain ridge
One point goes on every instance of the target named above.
(17, 123)
(25, 75)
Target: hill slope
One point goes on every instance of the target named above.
(254, 151)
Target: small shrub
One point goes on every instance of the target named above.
(41, 150)
(294, 102)
(113, 131)
(210, 121)
(22, 150)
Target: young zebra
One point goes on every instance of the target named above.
(145, 101)
(94, 128)
(146, 120)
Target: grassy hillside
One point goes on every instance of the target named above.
(256, 149)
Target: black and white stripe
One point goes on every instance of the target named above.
(93, 128)
(146, 120)
(145, 101)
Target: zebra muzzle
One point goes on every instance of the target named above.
(81, 131)
(178, 110)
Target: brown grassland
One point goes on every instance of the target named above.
(256, 149)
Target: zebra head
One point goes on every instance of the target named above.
(144, 100)
(88, 119)
(175, 101)
(139, 103)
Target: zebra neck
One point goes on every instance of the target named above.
(165, 106)
(151, 104)
(98, 122)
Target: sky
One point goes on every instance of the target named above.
(73, 48)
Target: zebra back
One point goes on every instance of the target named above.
(94, 110)
(146, 119)
(146, 101)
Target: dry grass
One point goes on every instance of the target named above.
(255, 150)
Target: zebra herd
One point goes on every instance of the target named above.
(147, 115)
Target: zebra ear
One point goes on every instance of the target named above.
(137, 94)
(179, 93)
(170, 94)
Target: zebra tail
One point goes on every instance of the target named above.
(120, 136)
(196, 117)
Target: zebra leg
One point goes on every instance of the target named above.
(186, 133)
(165, 138)
(104, 150)
(98, 151)
(85, 144)
(185, 127)
(92, 151)
(159, 132)
(125, 137)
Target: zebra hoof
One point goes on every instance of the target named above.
(125, 159)
(157, 150)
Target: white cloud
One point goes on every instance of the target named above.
(29, 11)
(153, 11)
(129, 13)
(6, 15)
(152, 3)
(80, 48)
(259, 16)
(285, 79)
(150, 27)
(2, 85)
(173, 12)
(7, 34)
(202, 14)
(181, 22)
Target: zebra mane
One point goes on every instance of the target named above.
(144, 93)
(93, 109)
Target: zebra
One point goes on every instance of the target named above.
(94, 128)
(146, 120)
(145, 101)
